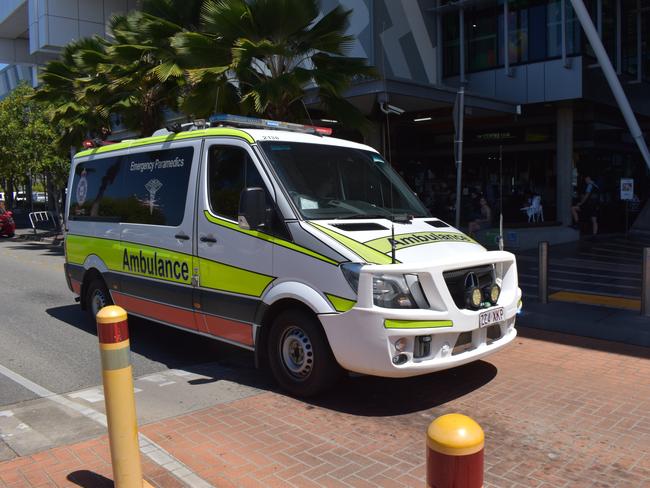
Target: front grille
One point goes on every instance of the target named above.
(422, 346)
(463, 343)
(493, 333)
(455, 280)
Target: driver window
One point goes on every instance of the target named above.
(230, 170)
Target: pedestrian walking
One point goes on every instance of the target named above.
(588, 205)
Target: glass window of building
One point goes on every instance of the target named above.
(534, 33)
(518, 31)
(450, 36)
(645, 45)
(537, 31)
(609, 27)
(554, 30)
(629, 48)
(481, 31)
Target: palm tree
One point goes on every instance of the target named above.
(134, 73)
(72, 87)
(265, 55)
(143, 69)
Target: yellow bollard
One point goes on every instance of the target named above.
(455, 452)
(113, 334)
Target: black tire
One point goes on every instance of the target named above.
(96, 295)
(297, 334)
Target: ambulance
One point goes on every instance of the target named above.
(309, 250)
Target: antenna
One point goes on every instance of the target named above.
(393, 243)
(305, 107)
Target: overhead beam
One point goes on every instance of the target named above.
(610, 74)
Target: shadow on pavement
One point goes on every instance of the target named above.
(88, 479)
(176, 348)
(371, 396)
(46, 248)
(356, 394)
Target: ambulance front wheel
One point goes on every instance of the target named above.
(299, 355)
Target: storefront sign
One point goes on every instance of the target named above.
(627, 189)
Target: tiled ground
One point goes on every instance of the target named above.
(558, 411)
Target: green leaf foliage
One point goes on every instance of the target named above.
(28, 138)
(198, 57)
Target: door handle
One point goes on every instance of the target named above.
(207, 239)
(182, 237)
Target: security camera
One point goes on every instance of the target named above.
(387, 108)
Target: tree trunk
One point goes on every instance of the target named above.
(29, 194)
(51, 192)
(10, 193)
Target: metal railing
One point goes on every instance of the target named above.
(44, 220)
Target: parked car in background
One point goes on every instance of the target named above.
(7, 224)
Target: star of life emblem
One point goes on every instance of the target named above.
(82, 188)
(152, 187)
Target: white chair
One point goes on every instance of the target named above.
(535, 210)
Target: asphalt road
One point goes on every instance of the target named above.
(48, 339)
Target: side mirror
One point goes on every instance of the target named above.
(252, 208)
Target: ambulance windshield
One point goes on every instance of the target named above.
(335, 182)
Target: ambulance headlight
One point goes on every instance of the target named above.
(398, 291)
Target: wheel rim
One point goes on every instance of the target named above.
(297, 353)
(97, 301)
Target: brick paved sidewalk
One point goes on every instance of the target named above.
(558, 411)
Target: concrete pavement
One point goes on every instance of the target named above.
(47, 338)
(558, 411)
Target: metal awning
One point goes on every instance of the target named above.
(414, 97)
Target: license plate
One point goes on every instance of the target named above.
(490, 317)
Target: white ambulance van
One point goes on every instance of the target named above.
(309, 250)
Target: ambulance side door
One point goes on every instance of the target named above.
(235, 265)
(159, 191)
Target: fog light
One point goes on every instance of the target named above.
(494, 292)
(400, 344)
(400, 359)
(473, 298)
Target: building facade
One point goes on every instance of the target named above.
(33, 32)
(539, 115)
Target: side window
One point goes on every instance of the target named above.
(142, 188)
(155, 186)
(96, 190)
(230, 170)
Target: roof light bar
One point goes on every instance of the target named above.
(253, 122)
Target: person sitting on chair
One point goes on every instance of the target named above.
(485, 219)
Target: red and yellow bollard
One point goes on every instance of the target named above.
(455, 452)
(113, 333)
